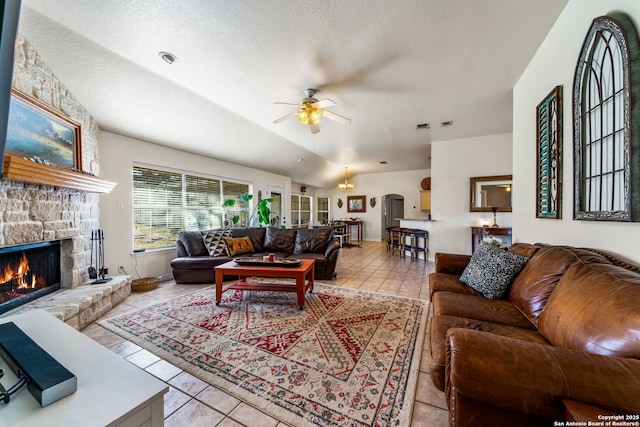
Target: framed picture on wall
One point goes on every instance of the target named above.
(549, 156)
(356, 203)
(42, 134)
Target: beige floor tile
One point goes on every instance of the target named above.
(173, 400)
(228, 422)
(188, 383)
(163, 370)
(429, 416)
(143, 358)
(218, 399)
(125, 348)
(250, 416)
(194, 414)
(427, 393)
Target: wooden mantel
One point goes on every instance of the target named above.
(19, 169)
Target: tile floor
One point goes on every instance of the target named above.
(194, 403)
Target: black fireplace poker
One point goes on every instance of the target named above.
(97, 248)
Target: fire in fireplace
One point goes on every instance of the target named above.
(28, 272)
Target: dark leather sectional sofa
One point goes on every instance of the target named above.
(563, 343)
(194, 265)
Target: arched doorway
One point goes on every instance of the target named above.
(392, 210)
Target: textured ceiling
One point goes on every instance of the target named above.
(388, 65)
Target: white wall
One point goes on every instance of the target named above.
(453, 163)
(554, 64)
(376, 185)
(117, 155)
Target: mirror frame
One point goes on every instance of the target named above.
(474, 181)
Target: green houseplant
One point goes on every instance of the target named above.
(261, 213)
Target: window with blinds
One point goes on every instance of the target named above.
(167, 202)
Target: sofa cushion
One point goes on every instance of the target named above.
(537, 280)
(491, 270)
(256, 234)
(438, 335)
(594, 308)
(279, 240)
(214, 241)
(479, 308)
(449, 283)
(312, 240)
(193, 243)
(238, 246)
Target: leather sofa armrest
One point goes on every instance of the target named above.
(332, 246)
(529, 378)
(180, 249)
(451, 263)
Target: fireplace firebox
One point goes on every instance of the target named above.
(28, 272)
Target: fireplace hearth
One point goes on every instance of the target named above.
(28, 272)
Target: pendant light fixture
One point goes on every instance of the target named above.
(345, 186)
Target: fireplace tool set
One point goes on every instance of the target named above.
(97, 255)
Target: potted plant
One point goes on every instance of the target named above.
(261, 213)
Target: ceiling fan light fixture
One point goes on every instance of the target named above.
(309, 114)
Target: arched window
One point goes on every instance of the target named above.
(605, 102)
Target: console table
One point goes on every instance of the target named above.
(479, 233)
(111, 391)
(358, 224)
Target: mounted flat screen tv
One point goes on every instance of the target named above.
(10, 14)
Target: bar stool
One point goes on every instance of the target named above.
(388, 237)
(414, 235)
(395, 239)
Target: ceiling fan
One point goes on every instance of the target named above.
(311, 111)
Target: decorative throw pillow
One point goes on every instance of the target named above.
(238, 245)
(491, 270)
(214, 241)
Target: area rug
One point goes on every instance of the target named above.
(350, 358)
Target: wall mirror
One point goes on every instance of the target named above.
(491, 192)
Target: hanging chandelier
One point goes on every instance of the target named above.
(345, 186)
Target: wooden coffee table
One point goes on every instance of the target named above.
(302, 273)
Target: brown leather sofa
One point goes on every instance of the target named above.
(563, 343)
(194, 265)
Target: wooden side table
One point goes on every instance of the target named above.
(358, 224)
(479, 233)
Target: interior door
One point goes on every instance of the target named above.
(392, 210)
(277, 194)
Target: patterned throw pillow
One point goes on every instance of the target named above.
(238, 245)
(491, 270)
(214, 241)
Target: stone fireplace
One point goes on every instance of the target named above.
(36, 212)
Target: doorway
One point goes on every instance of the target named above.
(277, 194)
(392, 211)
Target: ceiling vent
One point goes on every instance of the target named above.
(423, 126)
(446, 124)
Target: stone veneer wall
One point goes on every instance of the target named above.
(34, 212)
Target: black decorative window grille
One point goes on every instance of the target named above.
(603, 111)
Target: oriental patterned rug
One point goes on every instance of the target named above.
(350, 358)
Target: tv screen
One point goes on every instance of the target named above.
(10, 14)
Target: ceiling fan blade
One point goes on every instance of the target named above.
(336, 117)
(324, 103)
(282, 119)
(287, 103)
(314, 128)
